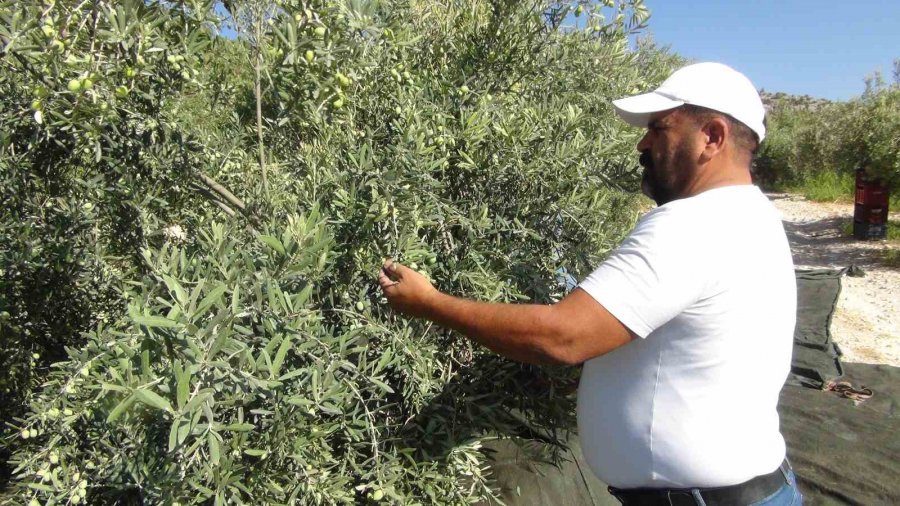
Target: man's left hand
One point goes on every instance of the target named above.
(406, 290)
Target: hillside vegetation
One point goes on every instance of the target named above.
(815, 146)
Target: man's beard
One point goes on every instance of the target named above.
(652, 184)
(667, 178)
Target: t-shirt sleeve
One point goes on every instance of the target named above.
(653, 276)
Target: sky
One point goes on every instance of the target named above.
(818, 48)
(803, 47)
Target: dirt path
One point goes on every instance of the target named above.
(866, 324)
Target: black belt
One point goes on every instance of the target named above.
(749, 492)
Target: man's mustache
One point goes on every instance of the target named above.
(645, 160)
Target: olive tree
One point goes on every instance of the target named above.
(245, 194)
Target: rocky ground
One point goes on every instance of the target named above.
(866, 324)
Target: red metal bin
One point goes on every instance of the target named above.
(870, 212)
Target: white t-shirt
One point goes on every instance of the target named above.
(708, 284)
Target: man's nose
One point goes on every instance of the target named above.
(644, 143)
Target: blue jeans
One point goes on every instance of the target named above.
(787, 495)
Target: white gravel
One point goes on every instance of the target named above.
(866, 324)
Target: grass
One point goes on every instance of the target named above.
(828, 187)
(835, 187)
(890, 256)
(893, 229)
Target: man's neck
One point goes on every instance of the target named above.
(718, 175)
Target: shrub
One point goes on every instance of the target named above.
(243, 206)
(828, 187)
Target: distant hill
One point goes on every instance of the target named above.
(796, 102)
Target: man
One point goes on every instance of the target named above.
(686, 330)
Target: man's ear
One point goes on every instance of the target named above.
(715, 131)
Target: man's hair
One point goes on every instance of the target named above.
(744, 137)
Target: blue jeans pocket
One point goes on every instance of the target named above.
(787, 495)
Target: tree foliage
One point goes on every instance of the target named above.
(192, 225)
(807, 138)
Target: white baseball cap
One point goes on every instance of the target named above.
(711, 85)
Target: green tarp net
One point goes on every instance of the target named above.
(846, 453)
(816, 360)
